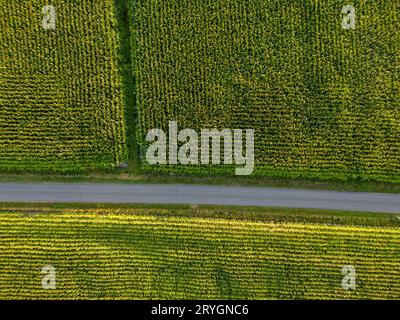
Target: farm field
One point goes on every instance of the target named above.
(61, 102)
(77, 100)
(195, 253)
(324, 102)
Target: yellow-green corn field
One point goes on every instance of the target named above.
(61, 104)
(323, 99)
(154, 254)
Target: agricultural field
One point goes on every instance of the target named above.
(187, 253)
(324, 101)
(83, 82)
(61, 102)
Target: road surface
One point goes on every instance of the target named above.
(197, 195)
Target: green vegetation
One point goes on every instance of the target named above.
(324, 101)
(79, 100)
(135, 177)
(61, 103)
(191, 253)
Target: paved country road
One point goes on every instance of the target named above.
(192, 194)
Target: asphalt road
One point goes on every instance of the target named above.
(197, 195)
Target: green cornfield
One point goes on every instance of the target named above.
(167, 254)
(324, 101)
(61, 103)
